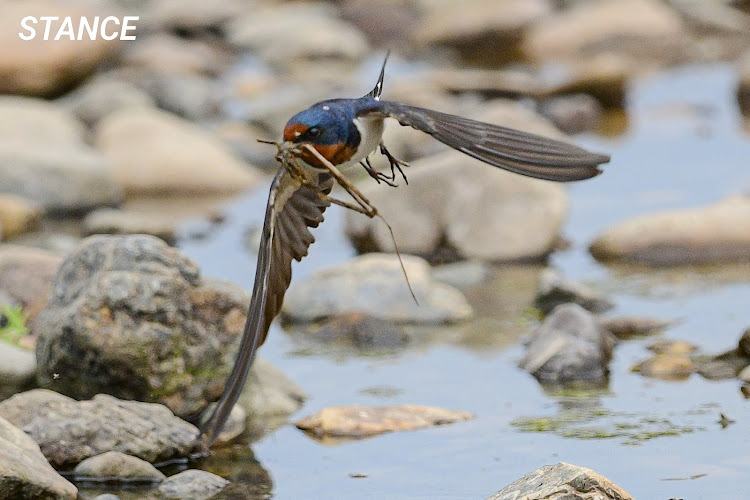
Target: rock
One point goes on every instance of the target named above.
(560, 481)
(24, 472)
(154, 152)
(364, 421)
(43, 158)
(555, 290)
(70, 431)
(192, 484)
(573, 114)
(604, 77)
(172, 54)
(724, 366)
(17, 367)
(234, 426)
(115, 221)
(26, 276)
(710, 234)
(744, 375)
(744, 344)
(193, 17)
(29, 67)
(103, 96)
(666, 367)
(743, 88)
(106, 496)
(131, 317)
(269, 392)
(114, 466)
(326, 36)
(626, 327)
(17, 215)
(464, 26)
(457, 205)
(568, 346)
(642, 29)
(383, 22)
(374, 285)
(675, 347)
(463, 274)
(360, 331)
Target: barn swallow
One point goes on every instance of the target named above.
(335, 134)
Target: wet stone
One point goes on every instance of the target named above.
(562, 481)
(69, 431)
(666, 367)
(626, 327)
(364, 421)
(360, 330)
(555, 290)
(463, 274)
(676, 347)
(573, 114)
(269, 392)
(744, 345)
(744, 375)
(569, 346)
(24, 472)
(114, 466)
(722, 367)
(192, 484)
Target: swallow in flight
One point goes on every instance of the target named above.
(334, 134)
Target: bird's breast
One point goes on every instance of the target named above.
(371, 133)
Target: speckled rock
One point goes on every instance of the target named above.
(561, 481)
(155, 152)
(114, 465)
(709, 234)
(569, 346)
(69, 431)
(30, 67)
(374, 284)
(192, 484)
(131, 317)
(24, 472)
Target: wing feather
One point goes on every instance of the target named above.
(507, 148)
(293, 208)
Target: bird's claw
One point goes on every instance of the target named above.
(378, 176)
(395, 163)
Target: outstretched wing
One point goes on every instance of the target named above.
(519, 152)
(292, 209)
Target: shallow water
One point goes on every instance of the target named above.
(684, 145)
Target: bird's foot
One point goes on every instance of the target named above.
(396, 164)
(378, 176)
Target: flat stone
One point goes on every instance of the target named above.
(715, 233)
(555, 289)
(562, 481)
(568, 346)
(17, 215)
(666, 367)
(458, 205)
(155, 152)
(374, 285)
(625, 327)
(24, 472)
(29, 67)
(364, 421)
(70, 431)
(131, 316)
(676, 347)
(645, 29)
(114, 465)
(192, 484)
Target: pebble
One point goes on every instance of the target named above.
(114, 465)
(192, 484)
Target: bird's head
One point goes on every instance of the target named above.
(329, 128)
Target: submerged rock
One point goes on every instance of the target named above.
(359, 330)
(710, 234)
(364, 421)
(69, 431)
(24, 472)
(155, 152)
(625, 327)
(561, 481)
(678, 347)
(192, 484)
(569, 346)
(374, 284)
(555, 290)
(131, 317)
(114, 465)
(666, 367)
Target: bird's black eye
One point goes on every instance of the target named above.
(313, 132)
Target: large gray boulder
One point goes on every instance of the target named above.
(70, 431)
(569, 346)
(24, 472)
(131, 317)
